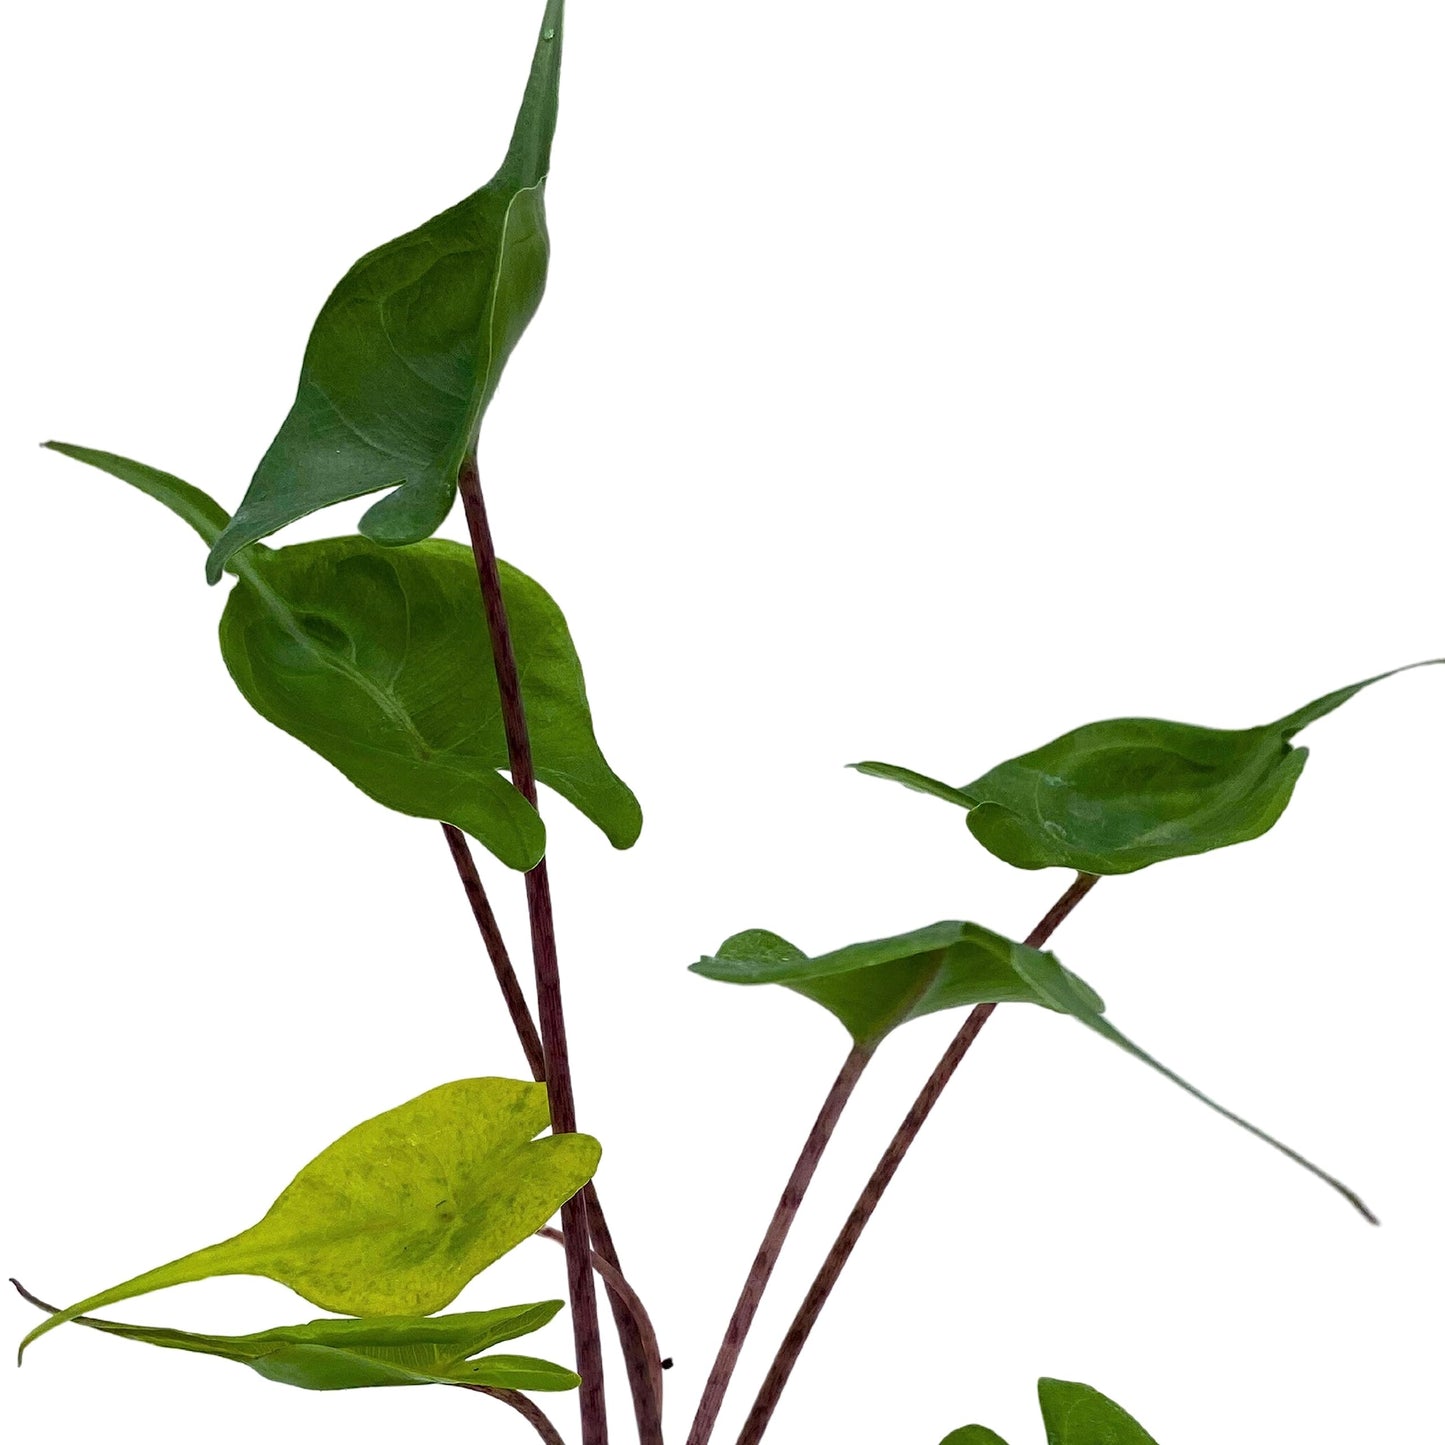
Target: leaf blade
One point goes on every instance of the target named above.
(378, 659)
(875, 987)
(407, 351)
(1077, 1414)
(397, 1215)
(1116, 796)
(1054, 984)
(344, 1354)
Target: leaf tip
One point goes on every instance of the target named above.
(216, 560)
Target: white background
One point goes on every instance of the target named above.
(914, 382)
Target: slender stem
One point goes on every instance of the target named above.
(526, 1409)
(640, 1350)
(807, 1316)
(552, 1022)
(634, 1328)
(496, 948)
(767, 1255)
(616, 1282)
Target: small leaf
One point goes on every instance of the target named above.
(379, 659)
(189, 503)
(1079, 1415)
(1114, 797)
(973, 1435)
(398, 1215)
(408, 349)
(872, 988)
(395, 1350)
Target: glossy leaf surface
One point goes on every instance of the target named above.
(1079, 1415)
(1116, 796)
(398, 1215)
(873, 987)
(380, 660)
(354, 1354)
(408, 349)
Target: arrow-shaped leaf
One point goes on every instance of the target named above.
(408, 349)
(390, 1350)
(872, 988)
(1116, 796)
(398, 1215)
(379, 659)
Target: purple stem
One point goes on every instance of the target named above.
(812, 1306)
(634, 1327)
(551, 1020)
(526, 1409)
(767, 1255)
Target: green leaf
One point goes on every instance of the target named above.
(395, 1350)
(380, 660)
(408, 350)
(189, 503)
(872, 988)
(1114, 797)
(398, 1215)
(1079, 1415)
(973, 1435)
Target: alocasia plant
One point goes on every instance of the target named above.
(445, 684)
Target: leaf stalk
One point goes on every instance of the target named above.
(551, 1019)
(530, 1412)
(797, 1336)
(768, 1251)
(634, 1326)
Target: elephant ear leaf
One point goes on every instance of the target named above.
(398, 1215)
(1117, 796)
(391, 1350)
(379, 659)
(873, 988)
(1078, 1415)
(408, 350)
(973, 1435)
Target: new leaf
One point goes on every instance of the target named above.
(1116, 796)
(407, 351)
(872, 988)
(399, 1214)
